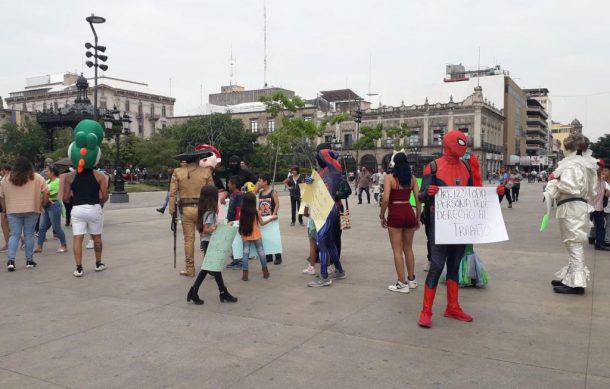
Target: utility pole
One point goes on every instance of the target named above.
(358, 120)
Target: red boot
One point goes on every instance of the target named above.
(425, 318)
(453, 307)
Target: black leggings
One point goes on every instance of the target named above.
(507, 194)
(439, 254)
(515, 192)
(295, 203)
(216, 274)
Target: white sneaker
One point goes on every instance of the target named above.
(89, 244)
(399, 287)
(412, 283)
(427, 266)
(330, 269)
(78, 273)
(310, 270)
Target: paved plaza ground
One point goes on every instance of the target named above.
(131, 327)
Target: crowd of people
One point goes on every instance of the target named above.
(579, 186)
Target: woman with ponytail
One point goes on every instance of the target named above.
(402, 221)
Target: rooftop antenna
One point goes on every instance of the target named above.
(232, 64)
(479, 69)
(370, 67)
(170, 87)
(265, 42)
(201, 97)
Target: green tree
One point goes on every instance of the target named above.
(157, 153)
(27, 141)
(220, 130)
(63, 138)
(368, 137)
(398, 133)
(292, 128)
(601, 148)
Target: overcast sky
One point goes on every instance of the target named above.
(320, 45)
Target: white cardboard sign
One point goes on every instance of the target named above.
(466, 214)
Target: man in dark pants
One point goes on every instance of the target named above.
(597, 202)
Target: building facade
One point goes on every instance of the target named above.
(425, 127)
(537, 139)
(149, 111)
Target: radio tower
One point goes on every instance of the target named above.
(265, 42)
(232, 64)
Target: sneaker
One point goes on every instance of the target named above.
(427, 266)
(320, 282)
(10, 266)
(399, 287)
(78, 272)
(230, 265)
(30, 264)
(236, 266)
(330, 269)
(412, 283)
(339, 275)
(89, 244)
(100, 266)
(310, 270)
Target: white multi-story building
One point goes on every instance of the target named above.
(149, 110)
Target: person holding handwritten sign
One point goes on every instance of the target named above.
(448, 170)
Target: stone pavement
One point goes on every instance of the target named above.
(130, 326)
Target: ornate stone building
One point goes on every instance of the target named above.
(149, 111)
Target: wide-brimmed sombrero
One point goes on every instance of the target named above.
(192, 152)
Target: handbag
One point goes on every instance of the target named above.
(344, 219)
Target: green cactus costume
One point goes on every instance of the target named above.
(85, 151)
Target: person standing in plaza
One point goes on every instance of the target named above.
(507, 184)
(23, 194)
(364, 183)
(250, 220)
(207, 212)
(268, 205)
(292, 182)
(597, 204)
(236, 198)
(186, 182)
(6, 170)
(515, 178)
(52, 213)
(402, 221)
(448, 170)
(572, 184)
(170, 172)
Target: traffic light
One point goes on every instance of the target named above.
(358, 116)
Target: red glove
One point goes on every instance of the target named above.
(500, 190)
(432, 190)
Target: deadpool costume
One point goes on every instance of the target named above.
(448, 170)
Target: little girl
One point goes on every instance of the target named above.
(207, 209)
(249, 221)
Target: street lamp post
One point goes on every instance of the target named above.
(95, 20)
(358, 120)
(115, 126)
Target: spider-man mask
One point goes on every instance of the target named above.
(455, 144)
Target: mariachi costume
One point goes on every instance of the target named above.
(186, 184)
(571, 185)
(448, 170)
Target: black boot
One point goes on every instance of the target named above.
(161, 210)
(225, 297)
(556, 283)
(192, 296)
(278, 259)
(564, 289)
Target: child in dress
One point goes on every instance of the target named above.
(249, 221)
(207, 211)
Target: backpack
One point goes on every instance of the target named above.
(344, 190)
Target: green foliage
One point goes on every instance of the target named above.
(157, 153)
(27, 141)
(601, 148)
(398, 133)
(278, 102)
(220, 130)
(333, 120)
(369, 136)
(63, 138)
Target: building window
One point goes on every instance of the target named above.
(389, 142)
(307, 118)
(140, 108)
(254, 125)
(437, 135)
(44, 106)
(127, 105)
(152, 110)
(464, 130)
(163, 125)
(163, 110)
(140, 127)
(103, 105)
(348, 140)
(328, 139)
(55, 106)
(270, 125)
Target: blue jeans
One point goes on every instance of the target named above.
(258, 244)
(18, 223)
(52, 214)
